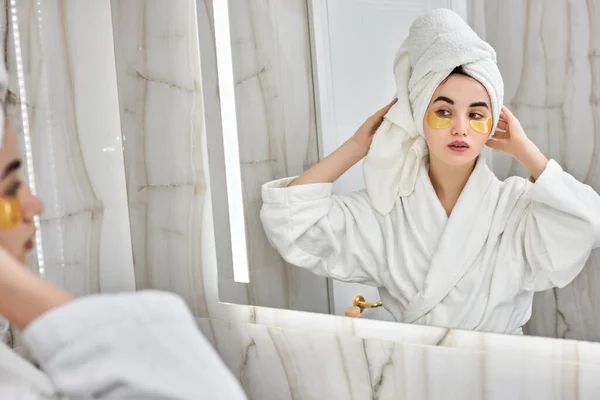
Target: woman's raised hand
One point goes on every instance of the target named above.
(364, 135)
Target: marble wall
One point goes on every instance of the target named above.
(277, 138)
(160, 103)
(548, 54)
(161, 118)
(71, 113)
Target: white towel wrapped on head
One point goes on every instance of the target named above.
(437, 43)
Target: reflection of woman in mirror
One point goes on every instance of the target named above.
(446, 242)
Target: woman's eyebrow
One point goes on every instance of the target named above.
(444, 98)
(480, 104)
(13, 166)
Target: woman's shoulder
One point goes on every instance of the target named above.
(358, 197)
(516, 182)
(358, 202)
(513, 189)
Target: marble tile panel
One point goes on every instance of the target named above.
(160, 103)
(547, 54)
(73, 120)
(280, 363)
(277, 138)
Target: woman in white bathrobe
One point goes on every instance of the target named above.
(443, 239)
(142, 345)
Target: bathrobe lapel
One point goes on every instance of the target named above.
(16, 371)
(425, 214)
(461, 241)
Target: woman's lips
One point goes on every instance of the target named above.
(459, 146)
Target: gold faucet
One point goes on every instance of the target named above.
(359, 301)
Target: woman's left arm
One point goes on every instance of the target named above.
(561, 222)
(512, 140)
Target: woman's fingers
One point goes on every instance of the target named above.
(496, 144)
(381, 113)
(502, 124)
(506, 114)
(500, 135)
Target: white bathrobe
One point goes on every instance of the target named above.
(476, 269)
(128, 346)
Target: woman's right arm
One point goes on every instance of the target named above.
(334, 236)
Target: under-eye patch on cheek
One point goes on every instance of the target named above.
(482, 125)
(436, 122)
(11, 212)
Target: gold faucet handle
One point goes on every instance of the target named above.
(359, 301)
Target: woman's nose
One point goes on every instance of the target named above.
(32, 206)
(460, 127)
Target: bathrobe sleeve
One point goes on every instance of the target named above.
(330, 235)
(557, 229)
(143, 345)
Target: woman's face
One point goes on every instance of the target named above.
(18, 240)
(458, 120)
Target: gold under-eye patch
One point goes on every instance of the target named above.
(482, 126)
(437, 122)
(11, 212)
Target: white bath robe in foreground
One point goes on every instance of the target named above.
(143, 345)
(476, 269)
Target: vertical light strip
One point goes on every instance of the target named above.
(26, 132)
(230, 142)
(49, 128)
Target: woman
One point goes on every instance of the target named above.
(446, 242)
(120, 346)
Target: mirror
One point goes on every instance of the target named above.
(286, 83)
